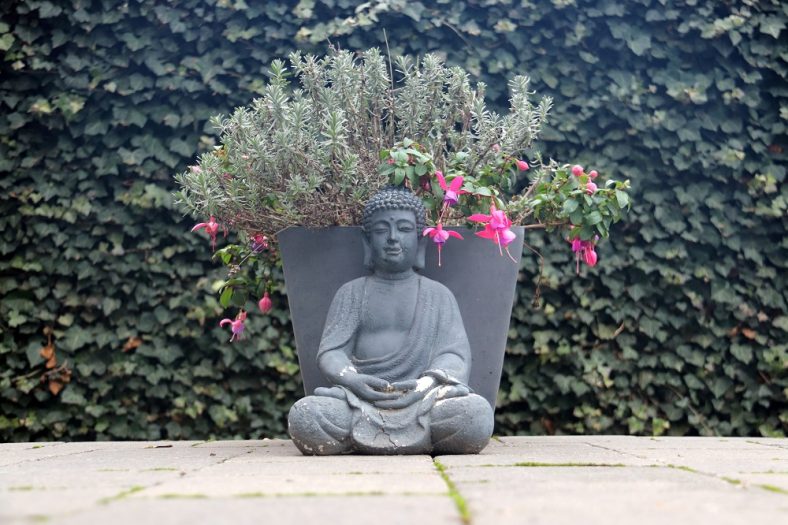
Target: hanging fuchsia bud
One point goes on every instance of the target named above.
(577, 170)
(590, 188)
(593, 174)
(590, 256)
(390, 161)
(265, 304)
(522, 165)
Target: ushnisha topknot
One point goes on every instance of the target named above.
(394, 198)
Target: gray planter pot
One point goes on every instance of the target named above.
(318, 261)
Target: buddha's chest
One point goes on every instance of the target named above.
(390, 306)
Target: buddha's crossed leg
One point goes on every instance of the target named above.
(321, 425)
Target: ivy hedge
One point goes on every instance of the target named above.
(108, 317)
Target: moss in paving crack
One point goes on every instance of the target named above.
(680, 467)
(772, 488)
(732, 481)
(121, 495)
(112, 470)
(21, 488)
(183, 496)
(454, 494)
(39, 518)
(159, 469)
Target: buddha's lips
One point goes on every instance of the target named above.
(393, 251)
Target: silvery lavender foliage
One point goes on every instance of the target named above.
(307, 151)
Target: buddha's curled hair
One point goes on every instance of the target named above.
(394, 198)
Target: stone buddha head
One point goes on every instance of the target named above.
(393, 220)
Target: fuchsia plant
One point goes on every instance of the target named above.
(558, 197)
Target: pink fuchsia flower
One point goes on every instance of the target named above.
(577, 170)
(259, 243)
(451, 190)
(497, 219)
(265, 304)
(497, 228)
(236, 325)
(439, 236)
(503, 237)
(211, 228)
(590, 188)
(593, 174)
(522, 165)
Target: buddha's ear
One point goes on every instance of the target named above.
(367, 252)
(421, 254)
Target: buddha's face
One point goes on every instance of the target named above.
(393, 240)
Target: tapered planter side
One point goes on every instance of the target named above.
(318, 261)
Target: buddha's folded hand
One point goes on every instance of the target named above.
(367, 387)
(410, 392)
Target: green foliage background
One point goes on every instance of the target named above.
(681, 329)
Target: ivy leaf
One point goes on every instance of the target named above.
(742, 353)
(75, 337)
(772, 25)
(16, 318)
(639, 43)
(6, 41)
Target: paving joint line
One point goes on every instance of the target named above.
(454, 493)
(782, 447)
(35, 460)
(623, 453)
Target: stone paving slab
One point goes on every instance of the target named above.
(518, 480)
(303, 510)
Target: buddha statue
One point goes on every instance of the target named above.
(396, 352)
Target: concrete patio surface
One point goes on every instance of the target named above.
(515, 480)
